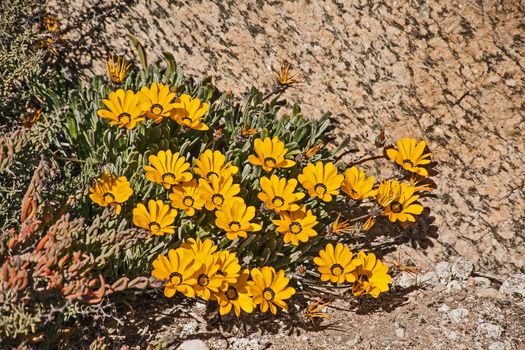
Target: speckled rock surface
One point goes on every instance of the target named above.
(450, 72)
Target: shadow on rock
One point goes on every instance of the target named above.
(386, 302)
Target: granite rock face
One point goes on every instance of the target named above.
(450, 72)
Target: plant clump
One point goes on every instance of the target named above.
(163, 182)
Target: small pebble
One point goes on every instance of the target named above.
(400, 330)
(462, 269)
(193, 344)
(443, 272)
(514, 285)
(482, 282)
(458, 315)
(444, 308)
(451, 335)
(490, 330)
(497, 345)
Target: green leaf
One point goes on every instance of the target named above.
(140, 50)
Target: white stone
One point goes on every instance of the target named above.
(444, 308)
(497, 345)
(405, 280)
(246, 344)
(462, 268)
(400, 330)
(189, 328)
(429, 277)
(193, 344)
(452, 335)
(514, 285)
(455, 285)
(482, 282)
(490, 330)
(458, 315)
(443, 272)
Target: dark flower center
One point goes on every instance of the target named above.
(336, 269)
(217, 199)
(320, 189)
(203, 280)
(154, 226)
(109, 197)
(269, 161)
(396, 207)
(408, 161)
(156, 109)
(209, 174)
(295, 228)
(232, 293)
(235, 225)
(178, 277)
(278, 201)
(188, 201)
(268, 294)
(124, 117)
(187, 119)
(168, 178)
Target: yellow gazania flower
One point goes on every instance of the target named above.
(189, 112)
(336, 265)
(247, 131)
(158, 218)
(122, 109)
(168, 169)
(369, 223)
(403, 208)
(177, 270)
(157, 101)
(109, 190)
(387, 192)
(199, 250)
(270, 154)
(310, 152)
(236, 296)
(270, 289)
(51, 23)
(234, 218)
(212, 164)
(217, 192)
(339, 227)
(371, 276)
(285, 78)
(321, 180)
(296, 226)
(229, 268)
(117, 70)
(356, 185)
(187, 197)
(278, 193)
(419, 184)
(410, 156)
(208, 280)
(30, 119)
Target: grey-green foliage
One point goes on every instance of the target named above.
(23, 70)
(76, 133)
(76, 146)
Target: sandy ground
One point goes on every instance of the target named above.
(449, 72)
